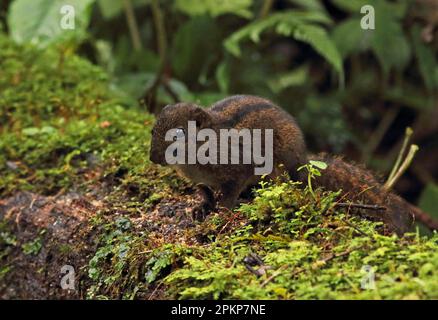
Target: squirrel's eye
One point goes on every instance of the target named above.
(179, 134)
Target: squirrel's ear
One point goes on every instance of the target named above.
(202, 118)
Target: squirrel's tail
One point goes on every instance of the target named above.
(423, 217)
(361, 186)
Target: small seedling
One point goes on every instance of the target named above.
(313, 170)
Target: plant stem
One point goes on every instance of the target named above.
(408, 134)
(359, 206)
(405, 165)
(132, 24)
(379, 133)
(160, 31)
(309, 182)
(264, 11)
(151, 93)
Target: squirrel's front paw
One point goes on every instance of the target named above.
(201, 211)
(207, 204)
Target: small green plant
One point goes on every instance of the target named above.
(32, 247)
(4, 271)
(313, 170)
(6, 238)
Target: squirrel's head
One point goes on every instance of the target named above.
(175, 117)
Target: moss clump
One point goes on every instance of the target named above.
(289, 243)
(61, 126)
(309, 251)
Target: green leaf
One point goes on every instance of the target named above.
(321, 42)
(429, 199)
(388, 42)
(426, 59)
(309, 4)
(32, 247)
(133, 85)
(223, 76)
(190, 52)
(350, 37)
(411, 96)
(180, 89)
(398, 8)
(104, 55)
(112, 8)
(207, 98)
(319, 164)
(351, 5)
(292, 78)
(31, 131)
(302, 26)
(48, 130)
(39, 21)
(215, 8)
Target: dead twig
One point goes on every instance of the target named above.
(155, 290)
(359, 206)
(355, 228)
(230, 220)
(273, 276)
(333, 256)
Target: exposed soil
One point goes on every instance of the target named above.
(68, 240)
(68, 237)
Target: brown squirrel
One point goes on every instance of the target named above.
(289, 153)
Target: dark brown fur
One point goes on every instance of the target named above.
(253, 112)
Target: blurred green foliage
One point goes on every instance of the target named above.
(285, 50)
(39, 22)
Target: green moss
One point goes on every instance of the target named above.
(309, 251)
(57, 124)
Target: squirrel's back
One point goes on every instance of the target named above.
(252, 112)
